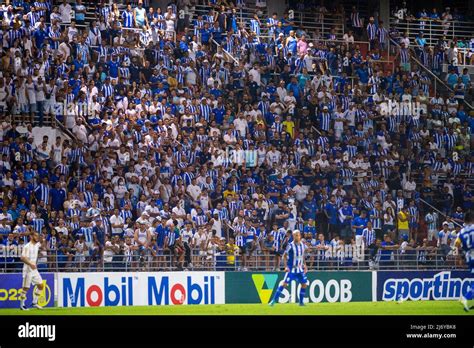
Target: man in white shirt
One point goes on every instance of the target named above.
(179, 213)
(152, 209)
(80, 130)
(29, 257)
(281, 90)
(273, 156)
(300, 191)
(65, 11)
(241, 125)
(405, 40)
(409, 187)
(193, 190)
(116, 223)
(255, 73)
(62, 228)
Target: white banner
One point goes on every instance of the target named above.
(140, 289)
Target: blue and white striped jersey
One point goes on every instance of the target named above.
(295, 253)
(369, 236)
(466, 237)
(376, 218)
(38, 224)
(88, 233)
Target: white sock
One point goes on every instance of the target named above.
(22, 297)
(36, 295)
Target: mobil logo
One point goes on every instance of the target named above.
(82, 291)
(190, 289)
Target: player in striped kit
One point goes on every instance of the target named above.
(376, 218)
(413, 222)
(372, 33)
(29, 257)
(404, 57)
(272, 24)
(431, 220)
(255, 25)
(295, 268)
(382, 34)
(465, 241)
(127, 17)
(240, 233)
(356, 22)
(369, 238)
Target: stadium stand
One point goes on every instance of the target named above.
(194, 136)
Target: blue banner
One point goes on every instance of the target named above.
(10, 284)
(422, 285)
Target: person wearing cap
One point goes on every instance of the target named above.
(420, 41)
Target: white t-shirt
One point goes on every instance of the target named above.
(241, 125)
(187, 236)
(31, 252)
(194, 191)
(179, 211)
(200, 240)
(65, 11)
(31, 91)
(62, 230)
(116, 220)
(108, 253)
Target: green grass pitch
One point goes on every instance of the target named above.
(350, 308)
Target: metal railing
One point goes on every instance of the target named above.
(346, 257)
(439, 212)
(229, 57)
(301, 19)
(433, 30)
(48, 121)
(463, 61)
(324, 23)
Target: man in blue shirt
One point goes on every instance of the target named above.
(309, 208)
(310, 228)
(346, 215)
(58, 196)
(330, 210)
(358, 226)
(219, 112)
(363, 74)
(205, 34)
(40, 35)
(387, 248)
(295, 88)
(113, 67)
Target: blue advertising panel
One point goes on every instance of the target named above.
(10, 284)
(422, 285)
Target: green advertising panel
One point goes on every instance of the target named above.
(259, 287)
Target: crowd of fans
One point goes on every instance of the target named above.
(181, 152)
